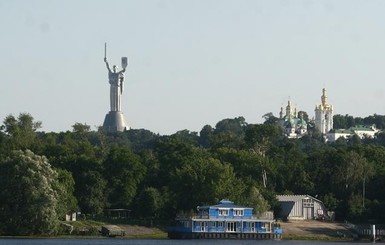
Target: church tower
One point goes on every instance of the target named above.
(324, 115)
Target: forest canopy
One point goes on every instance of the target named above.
(158, 176)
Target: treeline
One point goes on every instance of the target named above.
(44, 175)
(347, 121)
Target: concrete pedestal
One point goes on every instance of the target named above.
(114, 122)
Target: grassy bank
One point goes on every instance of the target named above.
(92, 228)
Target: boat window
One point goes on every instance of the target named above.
(223, 212)
(238, 212)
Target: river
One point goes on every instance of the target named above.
(115, 241)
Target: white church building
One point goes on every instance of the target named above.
(324, 115)
(294, 125)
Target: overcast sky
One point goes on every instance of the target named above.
(191, 62)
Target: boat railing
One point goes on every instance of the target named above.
(188, 217)
(259, 217)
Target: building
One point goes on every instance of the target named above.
(361, 131)
(324, 115)
(335, 134)
(293, 126)
(70, 215)
(117, 213)
(300, 207)
(225, 220)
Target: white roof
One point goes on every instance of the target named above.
(294, 198)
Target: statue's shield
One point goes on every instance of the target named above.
(124, 62)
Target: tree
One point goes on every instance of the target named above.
(379, 121)
(28, 200)
(21, 131)
(187, 136)
(254, 169)
(353, 170)
(81, 131)
(330, 201)
(204, 181)
(141, 139)
(149, 203)
(256, 201)
(322, 164)
(172, 153)
(66, 189)
(229, 133)
(90, 192)
(292, 172)
(355, 211)
(350, 122)
(90, 184)
(259, 137)
(205, 136)
(124, 172)
(3, 144)
(270, 119)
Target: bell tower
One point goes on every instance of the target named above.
(324, 115)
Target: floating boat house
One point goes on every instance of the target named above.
(225, 221)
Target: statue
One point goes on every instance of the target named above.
(116, 81)
(116, 89)
(114, 120)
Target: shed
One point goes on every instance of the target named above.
(71, 215)
(301, 207)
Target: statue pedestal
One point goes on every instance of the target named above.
(114, 121)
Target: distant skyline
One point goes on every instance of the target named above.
(191, 63)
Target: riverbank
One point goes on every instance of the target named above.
(92, 228)
(293, 230)
(315, 230)
(138, 232)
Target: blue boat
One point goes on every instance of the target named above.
(225, 221)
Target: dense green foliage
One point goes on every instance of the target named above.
(44, 175)
(29, 199)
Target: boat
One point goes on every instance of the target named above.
(225, 220)
(112, 231)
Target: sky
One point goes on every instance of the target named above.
(191, 62)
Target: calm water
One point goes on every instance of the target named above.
(159, 242)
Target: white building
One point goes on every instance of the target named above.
(360, 131)
(301, 207)
(324, 115)
(335, 134)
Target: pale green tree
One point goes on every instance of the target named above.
(66, 188)
(256, 201)
(28, 199)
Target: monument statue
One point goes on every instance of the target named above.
(116, 80)
(114, 120)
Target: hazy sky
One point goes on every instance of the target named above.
(192, 62)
